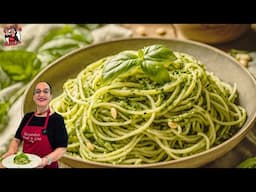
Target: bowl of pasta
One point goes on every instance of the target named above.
(149, 102)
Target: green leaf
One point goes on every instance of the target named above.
(55, 48)
(248, 163)
(156, 59)
(159, 53)
(20, 65)
(5, 80)
(234, 52)
(82, 34)
(67, 29)
(90, 26)
(4, 106)
(69, 32)
(60, 43)
(155, 71)
(119, 63)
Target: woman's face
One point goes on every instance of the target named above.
(42, 94)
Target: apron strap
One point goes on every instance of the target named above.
(29, 119)
(47, 119)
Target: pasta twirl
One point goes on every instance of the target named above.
(147, 106)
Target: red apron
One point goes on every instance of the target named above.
(35, 140)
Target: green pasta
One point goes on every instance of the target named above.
(147, 106)
(21, 159)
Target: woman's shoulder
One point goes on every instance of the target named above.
(56, 116)
(28, 114)
(56, 119)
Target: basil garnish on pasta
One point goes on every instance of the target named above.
(153, 60)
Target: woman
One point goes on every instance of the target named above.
(43, 132)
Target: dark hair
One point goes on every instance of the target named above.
(47, 84)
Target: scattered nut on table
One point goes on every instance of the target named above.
(243, 56)
(141, 31)
(243, 59)
(160, 31)
(243, 62)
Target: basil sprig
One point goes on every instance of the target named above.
(153, 60)
(119, 64)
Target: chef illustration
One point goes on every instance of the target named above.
(12, 35)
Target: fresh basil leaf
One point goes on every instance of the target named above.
(55, 48)
(4, 106)
(20, 65)
(60, 43)
(153, 60)
(5, 80)
(46, 57)
(248, 163)
(69, 32)
(67, 29)
(119, 63)
(156, 59)
(155, 71)
(159, 53)
(55, 53)
(82, 34)
(90, 26)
